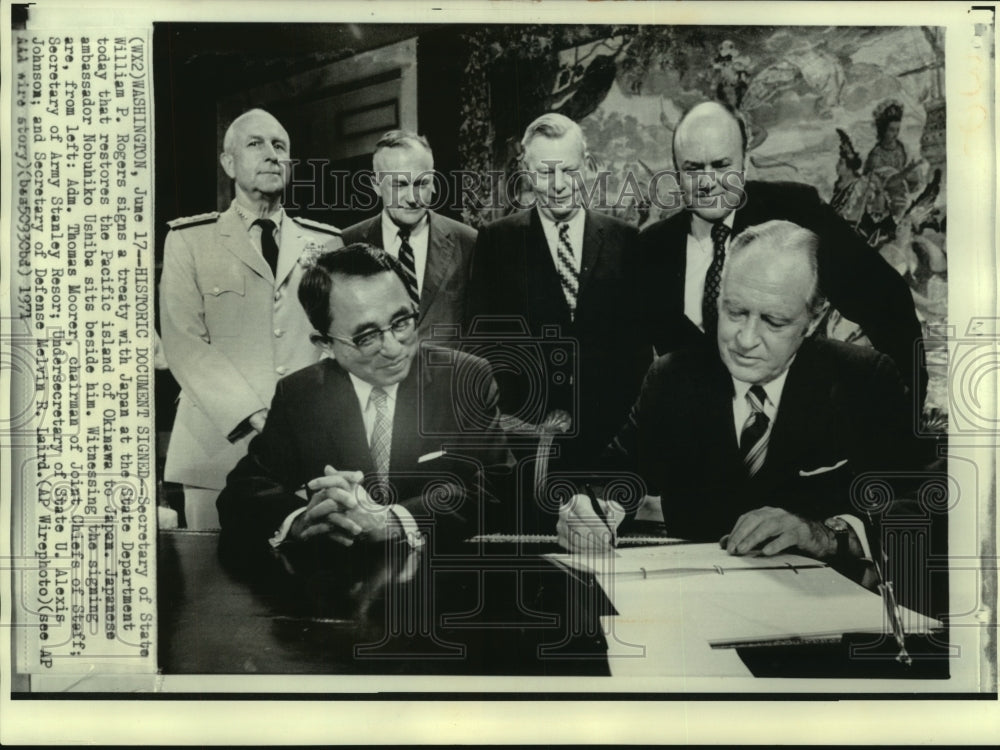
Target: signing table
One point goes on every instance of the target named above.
(505, 609)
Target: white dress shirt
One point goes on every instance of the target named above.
(419, 237)
(699, 258)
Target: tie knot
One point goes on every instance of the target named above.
(756, 396)
(404, 234)
(379, 397)
(266, 225)
(719, 234)
(564, 232)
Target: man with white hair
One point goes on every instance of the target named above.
(230, 322)
(561, 264)
(755, 437)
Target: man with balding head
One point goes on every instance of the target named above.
(683, 255)
(230, 322)
(754, 438)
(434, 250)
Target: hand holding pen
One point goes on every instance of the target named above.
(588, 524)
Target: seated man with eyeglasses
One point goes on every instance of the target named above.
(353, 446)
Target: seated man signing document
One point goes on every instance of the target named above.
(352, 449)
(755, 441)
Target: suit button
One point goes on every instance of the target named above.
(215, 290)
(281, 370)
(278, 333)
(277, 296)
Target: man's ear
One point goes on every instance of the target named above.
(814, 323)
(324, 343)
(226, 160)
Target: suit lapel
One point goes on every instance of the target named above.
(542, 273)
(593, 246)
(440, 262)
(406, 443)
(373, 235)
(236, 240)
(344, 425)
(797, 417)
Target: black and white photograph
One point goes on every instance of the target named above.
(472, 359)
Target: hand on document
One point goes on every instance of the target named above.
(581, 529)
(340, 509)
(774, 530)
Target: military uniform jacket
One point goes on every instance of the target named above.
(230, 330)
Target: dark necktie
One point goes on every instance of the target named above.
(754, 437)
(267, 244)
(409, 264)
(713, 279)
(566, 266)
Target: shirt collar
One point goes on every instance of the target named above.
(363, 390)
(697, 221)
(248, 218)
(391, 228)
(575, 224)
(772, 388)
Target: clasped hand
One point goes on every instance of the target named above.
(340, 509)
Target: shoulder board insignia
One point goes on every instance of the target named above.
(316, 225)
(193, 221)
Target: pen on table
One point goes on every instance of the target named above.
(596, 506)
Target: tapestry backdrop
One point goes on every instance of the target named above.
(859, 113)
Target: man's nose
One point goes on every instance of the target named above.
(748, 334)
(706, 180)
(269, 152)
(390, 345)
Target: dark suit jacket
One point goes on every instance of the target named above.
(839, 402)
(855, 278)
(315, 420)
(513, 274)
(449, 252)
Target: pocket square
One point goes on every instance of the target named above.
(822, 469)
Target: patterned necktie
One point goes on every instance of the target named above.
(267, 243)
(409, 264)
(381, 445)
(756, 430)
(713, 278)
(566, 267)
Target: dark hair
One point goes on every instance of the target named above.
(733, 112)
(358, 259)
(887, 112)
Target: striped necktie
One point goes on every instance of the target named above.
(409, 264)
(381, 444)
(566, 267)
(713, 279)
(756, 431)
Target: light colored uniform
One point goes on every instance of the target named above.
(230, 331)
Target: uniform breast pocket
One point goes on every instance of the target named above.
(224, 298)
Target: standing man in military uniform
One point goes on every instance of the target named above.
(230, 318)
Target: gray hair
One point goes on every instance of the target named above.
(552, 125)
(227, 140)
(787, 236)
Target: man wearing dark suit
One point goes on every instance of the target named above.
(682, 255)
(757, 440)
(561, 265)
(434, 250)
(339, 457)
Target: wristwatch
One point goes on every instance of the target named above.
(841, 533)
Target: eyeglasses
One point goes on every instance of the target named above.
(369, 342)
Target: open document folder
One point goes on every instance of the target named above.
(732, 601)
